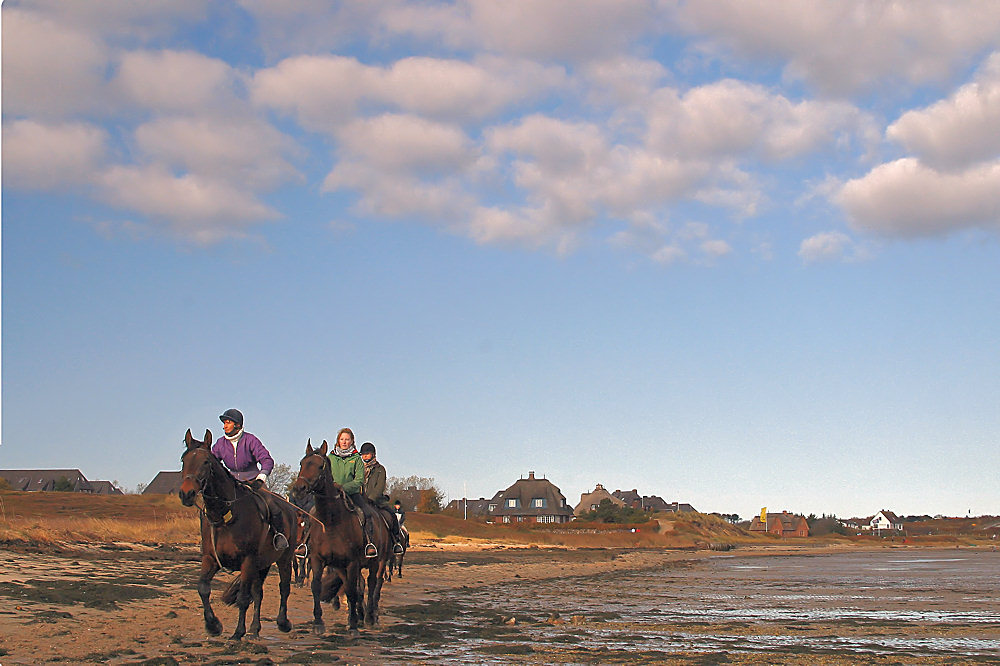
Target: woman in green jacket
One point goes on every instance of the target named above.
(348, 470)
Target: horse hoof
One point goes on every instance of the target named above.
(354, 633)
(214, 627)
(237, 636)
(284, 626)
(319, 628)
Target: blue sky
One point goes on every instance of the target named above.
(736, 254)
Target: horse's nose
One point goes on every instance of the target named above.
(187, 497)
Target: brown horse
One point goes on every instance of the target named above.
(339, 545)
(236, 534)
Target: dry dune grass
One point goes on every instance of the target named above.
(46, 518)
(66, 518)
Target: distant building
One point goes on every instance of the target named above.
(590, 501)
(633, 500)
(164, 483)
(530, 500)
(783, 524)
(885, 520)
(47, 480)
(105, 488)
(471, 507)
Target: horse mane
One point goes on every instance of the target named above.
(215, 462)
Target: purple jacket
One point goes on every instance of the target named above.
(249, 453)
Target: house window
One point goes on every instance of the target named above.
(513, 503)
(546, 519)
(538, 502)
(506, 519)
(493, 507)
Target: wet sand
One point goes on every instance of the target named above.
(138, 607)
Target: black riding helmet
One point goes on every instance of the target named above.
(234, 415)
(367, 447)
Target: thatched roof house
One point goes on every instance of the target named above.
(531, 500)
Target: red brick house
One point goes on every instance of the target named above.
(782, 524)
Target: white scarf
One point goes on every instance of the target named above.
(234, 439)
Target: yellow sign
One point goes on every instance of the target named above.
(763, 515)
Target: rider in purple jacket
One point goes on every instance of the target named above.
(240, 451)
(247, 459)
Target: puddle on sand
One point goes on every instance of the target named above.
(805, 605)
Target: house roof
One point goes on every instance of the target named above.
(164, 483)
(789, 522)
(889, 515)
(528, 489)
(45, 479)
(476, 507)
(105, 488)
(594, 497)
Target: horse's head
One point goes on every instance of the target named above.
(196, 467)
(311, 470)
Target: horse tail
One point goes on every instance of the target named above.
(229, 596)
(331, 585)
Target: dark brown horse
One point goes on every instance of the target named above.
(236, 534)
(339, 545)
(396, 560)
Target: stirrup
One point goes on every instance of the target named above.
(397, 548)
(371, 550)
(280, 542)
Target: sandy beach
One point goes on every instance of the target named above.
(137, 606)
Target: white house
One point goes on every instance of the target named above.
(885, 520)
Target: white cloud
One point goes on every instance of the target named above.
(321, 91)
(40, 156)
(132, 21)
(825, 246)
(194, 207)
(847, 47)
(733, 118)
(326, 91)
(49, 70)
(457, 89)
(238, 150)
(406, 143)
(182, 81)
(716, 248)
(907, 199)
(544, 29)
(958, 131)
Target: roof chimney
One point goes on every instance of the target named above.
(531, 474)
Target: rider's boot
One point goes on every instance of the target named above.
(280, 540)
(370, 549)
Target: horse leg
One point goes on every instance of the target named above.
(375, 575)
(247, 582)
(284, 588)
(353, 573)
(399, 563)
(317, 591)
(209, 567)
(257, 597)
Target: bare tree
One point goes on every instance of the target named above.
(280, 480)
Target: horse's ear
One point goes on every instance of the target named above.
(322, 449)
(309, 447)
(208, 438)
(188, 438)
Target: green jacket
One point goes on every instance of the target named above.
(349, 472)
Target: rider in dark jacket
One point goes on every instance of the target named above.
(374, 490)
